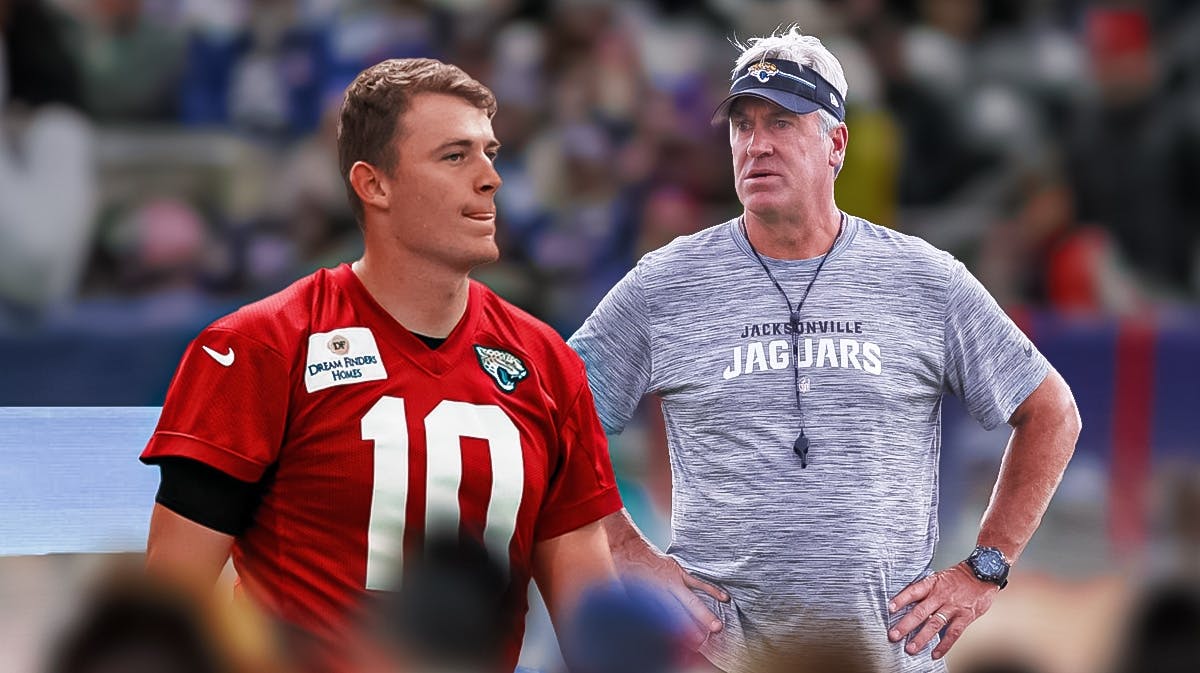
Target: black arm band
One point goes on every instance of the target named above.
(206, 495)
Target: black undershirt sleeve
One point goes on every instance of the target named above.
(206, 495)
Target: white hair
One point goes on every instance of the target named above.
(807, 50)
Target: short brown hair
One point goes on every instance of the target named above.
(377, 99)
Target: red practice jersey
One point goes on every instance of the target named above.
(368, 438)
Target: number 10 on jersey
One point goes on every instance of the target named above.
(386, 424)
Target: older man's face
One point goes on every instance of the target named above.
(780, 158)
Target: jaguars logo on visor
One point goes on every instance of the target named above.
(762, 71)
(505, 368)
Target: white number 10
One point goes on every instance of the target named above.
(386, 424)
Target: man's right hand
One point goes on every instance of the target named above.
(637, 558)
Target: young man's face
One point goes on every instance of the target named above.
(780, 158)
(442, 201)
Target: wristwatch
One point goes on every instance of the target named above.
(989, 565)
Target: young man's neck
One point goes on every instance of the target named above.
(798, 236)
(420, 294)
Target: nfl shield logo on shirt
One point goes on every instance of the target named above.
(505, 368)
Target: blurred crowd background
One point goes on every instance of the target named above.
(165, 161)
(182, 151)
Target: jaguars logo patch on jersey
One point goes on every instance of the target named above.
(505, 368)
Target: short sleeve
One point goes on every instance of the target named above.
(227, 406)
(614, 343)
(583, 488)
(989, 363)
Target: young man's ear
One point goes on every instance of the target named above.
(369, 184)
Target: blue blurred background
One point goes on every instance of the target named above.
(164, 161)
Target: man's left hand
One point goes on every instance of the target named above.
(950, 599)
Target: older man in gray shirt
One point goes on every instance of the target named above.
(801, 354)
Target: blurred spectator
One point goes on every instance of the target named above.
(132, 624)
(573, 31)
(47, 175)
(1164, 632)
(869, 182)
(937, 159)
(635, 628)
(1084, 273)
(667, 213)
(160, 246)
(447, 614)
(308, 224)
(1041, 256)
(157, 264)
(618, 81)
(940, 49)
(587, 244)
(1178, 545)
(365, 32)
(137, 634)
(40, 68)
(1135, 154)
(264, 77)
(130, 62)
(1039, 59)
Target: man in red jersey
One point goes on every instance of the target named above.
(322, 433)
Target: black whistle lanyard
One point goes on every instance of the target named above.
(801, 445)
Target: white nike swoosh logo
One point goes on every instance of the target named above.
(223, 359)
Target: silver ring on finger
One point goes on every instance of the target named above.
(944, 618)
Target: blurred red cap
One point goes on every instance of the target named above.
(1114, 32)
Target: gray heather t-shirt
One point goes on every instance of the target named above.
(890, 324)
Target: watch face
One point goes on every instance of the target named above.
(990, 563)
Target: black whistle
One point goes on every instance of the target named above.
(801, 449)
